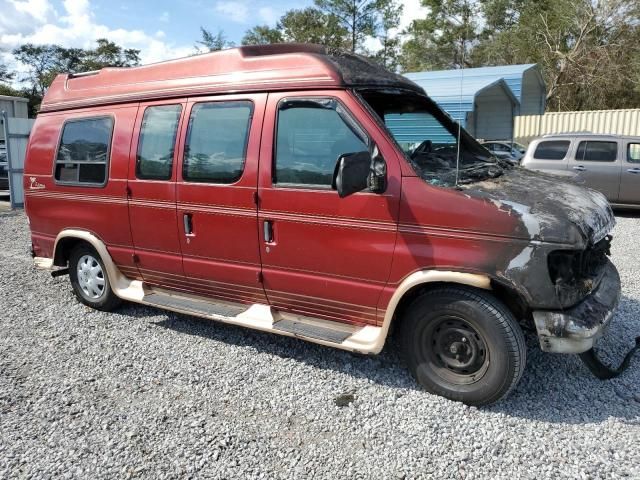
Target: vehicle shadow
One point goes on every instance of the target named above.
(554, 388)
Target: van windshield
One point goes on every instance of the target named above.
(429, 139)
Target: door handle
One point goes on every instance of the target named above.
(268, 231)
(580, 168)
(187, 219)
(633, 170)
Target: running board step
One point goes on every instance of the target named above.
(197, 307)
(367, 339)
(310, 330)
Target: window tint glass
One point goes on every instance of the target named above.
(83, 151)
(551, 150)
(597, 151)
(157, 142)
(634, 153)
(311, 136)
(217, 142)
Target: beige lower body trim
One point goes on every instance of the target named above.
(368, 339)
(43, 263)
(425, 277)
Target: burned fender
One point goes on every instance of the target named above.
(552, 215)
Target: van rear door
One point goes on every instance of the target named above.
(152, 192)
(217, 191)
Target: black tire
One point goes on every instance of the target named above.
(463, 344)
(106, 300)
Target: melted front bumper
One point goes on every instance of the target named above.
(575, 330)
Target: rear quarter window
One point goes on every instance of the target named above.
(83, 153)
(551, 150)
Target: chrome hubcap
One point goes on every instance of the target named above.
(91, 277)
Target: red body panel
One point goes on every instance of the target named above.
(101, 210)
(445, 229)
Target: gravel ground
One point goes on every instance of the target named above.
(145, 393)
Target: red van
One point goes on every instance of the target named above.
(315, 196)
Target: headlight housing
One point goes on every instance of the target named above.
(575, 273)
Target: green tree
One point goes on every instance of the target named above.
(42, 64)
(310, 25)
(589, 50)
(212, 42)
(5, 75)
(106, 54)
(360, 18)
(389, 55)
(445, 38)
(262, 35)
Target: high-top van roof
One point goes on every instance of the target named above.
(248, 68)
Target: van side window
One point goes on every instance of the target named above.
(83, 153)
(633, 154)
(597, 151)
(551, 150)
(216, 144)
(312, 134)
(157, 142)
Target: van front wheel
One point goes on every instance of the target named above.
(89, 279)
(463, 344)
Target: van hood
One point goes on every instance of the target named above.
(550, 209)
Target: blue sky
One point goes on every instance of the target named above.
(160, 29)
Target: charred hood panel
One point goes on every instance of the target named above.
(550, 209)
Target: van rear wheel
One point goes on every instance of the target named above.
(463, 344)
(89, 279)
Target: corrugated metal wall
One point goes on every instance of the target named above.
(16, 107)
(17, 131)
(620, 122)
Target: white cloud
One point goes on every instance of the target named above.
(268, 15)
(36, 21)
(412, 11)
(37, 9)
(236, 11)
(17, 16)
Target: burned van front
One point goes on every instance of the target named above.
(544, 239)
(564, 270)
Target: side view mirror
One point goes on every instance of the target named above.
(360, 171)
